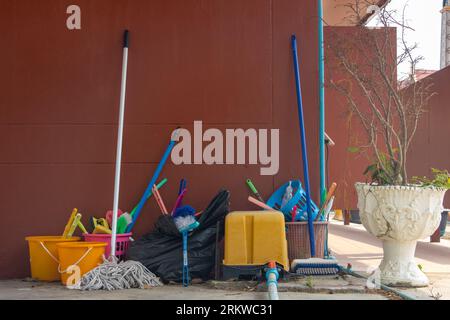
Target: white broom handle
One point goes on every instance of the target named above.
(119, 143)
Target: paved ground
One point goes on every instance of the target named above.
(353, 244)
(17, 289)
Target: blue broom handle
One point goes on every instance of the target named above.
(304, 149)
(186, 279)
(148, 191)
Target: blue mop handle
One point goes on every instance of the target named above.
(186, 279)
(304, 149)
(148, 191)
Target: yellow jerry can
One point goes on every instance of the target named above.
(255, 238)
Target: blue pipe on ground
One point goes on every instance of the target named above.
(272, 277)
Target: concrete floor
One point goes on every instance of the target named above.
(25, 290)
(353, 244)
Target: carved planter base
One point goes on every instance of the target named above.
(399, 216)
(398, 268)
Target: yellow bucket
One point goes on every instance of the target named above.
(44, 259)
(78, 258)
(338, 215)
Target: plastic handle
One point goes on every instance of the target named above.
(150, 185)
(179, 200)
(303, 145)
(294, 43)
(161, 184)
(260, 204)
(252, 186)
(182, 186)
(126, 39)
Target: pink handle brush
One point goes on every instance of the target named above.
(179, 200)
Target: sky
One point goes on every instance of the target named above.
(425, 18)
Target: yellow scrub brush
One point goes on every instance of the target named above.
(73, 223)
(100, 226)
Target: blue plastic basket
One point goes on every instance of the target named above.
(298, 199)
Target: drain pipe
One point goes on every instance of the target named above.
(402, 295)
(272, 277)
(323, 187)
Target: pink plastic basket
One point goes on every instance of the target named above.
(122, 243)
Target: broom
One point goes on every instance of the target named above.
(312, 266)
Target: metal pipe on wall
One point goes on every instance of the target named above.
(323, 188)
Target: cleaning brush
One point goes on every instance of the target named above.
(70, 223)
(185, 225)
(315, 267)
(74, 225)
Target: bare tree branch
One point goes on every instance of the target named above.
(368, 61)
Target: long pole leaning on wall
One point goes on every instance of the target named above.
(123, 89)
(323, 188)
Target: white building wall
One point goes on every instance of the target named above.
(445, 44)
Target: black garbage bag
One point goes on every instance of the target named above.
(161, 251)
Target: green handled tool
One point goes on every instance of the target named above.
(255, 192)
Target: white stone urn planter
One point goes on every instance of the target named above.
(399, 216)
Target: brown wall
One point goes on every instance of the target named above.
(344, 128)
(226, 62)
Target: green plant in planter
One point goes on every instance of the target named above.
(382, 171)
(440, 179)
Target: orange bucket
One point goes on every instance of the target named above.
(44, 259)
(78, 258)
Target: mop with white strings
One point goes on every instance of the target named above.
(112, 274)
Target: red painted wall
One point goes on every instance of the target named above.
(346, 168)
(226, 62)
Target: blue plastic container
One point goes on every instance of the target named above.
(298, 198)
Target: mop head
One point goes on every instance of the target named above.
(315, 267)
(113, 275)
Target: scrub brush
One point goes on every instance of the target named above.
(69, 223)
(312, 266)
(315, 267)
(185, 225)
(100, 226)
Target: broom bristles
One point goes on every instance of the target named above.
(315, 266)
